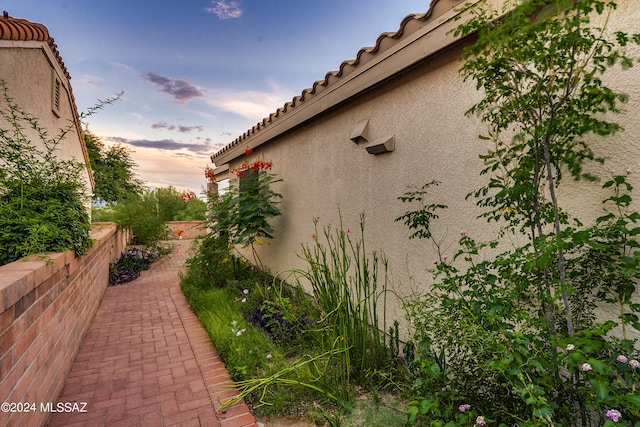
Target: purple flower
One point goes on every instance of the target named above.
(634, 363)
(445, 388)
(628, 171)
(585, 367)
(611, 171)
(621, 359)
(246, 292)
(269, 356)
(614, 414)
(463, 233)
(464, 408)
(480, 421)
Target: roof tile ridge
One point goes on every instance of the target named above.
(309, 92)
(21, 29)
(372, 49)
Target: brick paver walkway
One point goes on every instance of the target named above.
(147, 361)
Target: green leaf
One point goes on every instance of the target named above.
(435, 370)
(412, 412)
(601, 388)
(633, 399)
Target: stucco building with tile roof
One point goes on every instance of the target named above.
(39, 83)
(394, 118)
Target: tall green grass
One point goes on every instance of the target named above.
(350, 287)
(344, 345)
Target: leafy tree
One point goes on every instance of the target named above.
(114, 171)
(170, 202)
(194, 210)
(513, 340)
(243, 213)
(540, 68)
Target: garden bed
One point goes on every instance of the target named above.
(279, 347)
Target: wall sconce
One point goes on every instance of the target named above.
(360, 132)
(382, 146)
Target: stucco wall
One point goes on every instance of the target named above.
(28, 68)
(324, 172)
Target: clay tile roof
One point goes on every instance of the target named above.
(22, 30)
(409, 24)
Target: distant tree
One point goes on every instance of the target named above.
(194, 209)
(170, 202)
(114, 171)
(175, 205)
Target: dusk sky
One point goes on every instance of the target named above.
(198, 73)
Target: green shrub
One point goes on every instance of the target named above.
(141, 217)
(243, 213)
(42, 198)
(40, 217)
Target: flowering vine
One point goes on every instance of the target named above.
(209, 174)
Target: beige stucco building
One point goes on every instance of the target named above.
(39, 83)
(394, 118)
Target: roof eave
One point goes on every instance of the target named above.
(371, 67)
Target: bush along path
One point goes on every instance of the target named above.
(146, 360)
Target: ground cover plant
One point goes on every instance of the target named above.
(132, 262)
(281, 348)
(224, 291)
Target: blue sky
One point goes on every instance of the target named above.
(198, 73)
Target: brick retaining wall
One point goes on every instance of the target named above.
(190, 229)
(46, 306)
